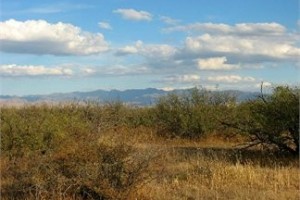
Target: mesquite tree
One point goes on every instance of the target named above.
(271, 120)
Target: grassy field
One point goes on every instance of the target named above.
(208, 168)
(222, 173)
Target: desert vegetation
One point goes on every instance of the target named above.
(196, 145)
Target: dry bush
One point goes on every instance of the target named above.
(83, 165)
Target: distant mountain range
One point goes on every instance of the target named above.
(133, 96)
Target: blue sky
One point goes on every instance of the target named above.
(63, 46)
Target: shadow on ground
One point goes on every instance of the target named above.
(241, 156)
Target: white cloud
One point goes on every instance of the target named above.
(167, 89)
(158, 51)
(259, 28)
(224, 48)
(41, 37)
(184, 87)
(231, 79)
(247, 49)
(135, 15)
(198, 27)
(88, 71)
(127, 50)
(70, 70)
(215, 63)
(169, 20)
(115, 70)
(105, 25)
(14, 70)
(43, 10)
(186, 78)
(242, 43)
(237, 29)
(56, 7)
(149, 51)
(266, 84)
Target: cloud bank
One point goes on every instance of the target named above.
(240, 43)
(221, 47)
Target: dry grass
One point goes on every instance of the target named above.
(210, 168)
(200, 169)
(202, 177)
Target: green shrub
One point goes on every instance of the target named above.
(192, 114)
(271, 120)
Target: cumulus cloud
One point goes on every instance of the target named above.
(243, 49)
(222, 49)
(240, 43)
(231, 79)
(105, 25)
(41, 37)
(135, 15)
(215, 63)
(14, 70)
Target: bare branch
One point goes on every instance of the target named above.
(262, 97)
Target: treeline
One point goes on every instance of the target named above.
(71, 150)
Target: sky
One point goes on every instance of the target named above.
(71, 45)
